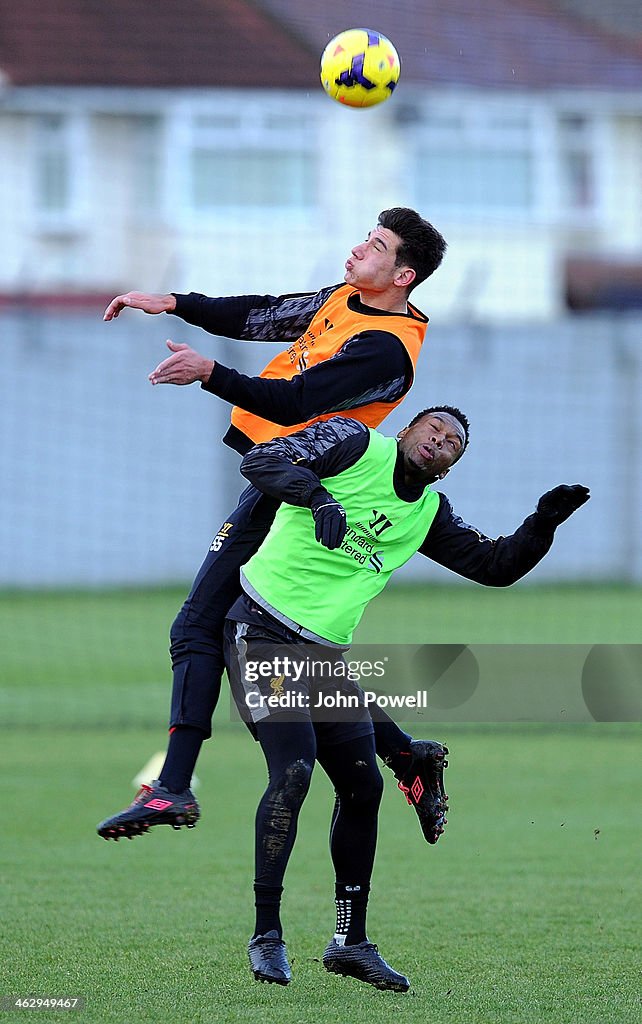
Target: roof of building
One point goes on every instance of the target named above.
(527, 44)
(623, 17)
(158, 43)
(531, 44)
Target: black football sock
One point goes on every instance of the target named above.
(392, 743)
(351, 902)
(185, 743)
(267, 900)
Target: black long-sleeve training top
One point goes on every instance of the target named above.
(371, 366)
(291, 468)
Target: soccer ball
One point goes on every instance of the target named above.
(360, 68)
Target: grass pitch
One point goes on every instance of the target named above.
(101, 657)
(526, 911)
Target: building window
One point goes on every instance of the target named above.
(250, 178)
(258, 162)
(475, 159)
(52, 184)
(577, 168)
(148, 163)
(470, 178)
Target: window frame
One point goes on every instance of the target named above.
(248, 127)
(71, 218)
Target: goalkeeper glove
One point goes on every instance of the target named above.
(557, 505)
(329, 520)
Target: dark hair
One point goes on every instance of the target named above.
(453, 411)
(422, 247)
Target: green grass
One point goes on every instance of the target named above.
(526, 911)
(95, 657)
(468, 614)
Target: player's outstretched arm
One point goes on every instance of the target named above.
(372, 366)
(281, 318)
(140, 300)
(502, 561)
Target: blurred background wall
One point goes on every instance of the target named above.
(158, 146)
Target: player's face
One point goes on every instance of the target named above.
(430, 446)
(371, 265)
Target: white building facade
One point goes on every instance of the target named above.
(226, 190)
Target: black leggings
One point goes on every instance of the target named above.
(196, 635)
(290, 750)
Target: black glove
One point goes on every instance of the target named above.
(329, 520)
(557, 505)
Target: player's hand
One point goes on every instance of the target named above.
(140, 300)
(184, 366)
(329, 521)
(560, 503)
